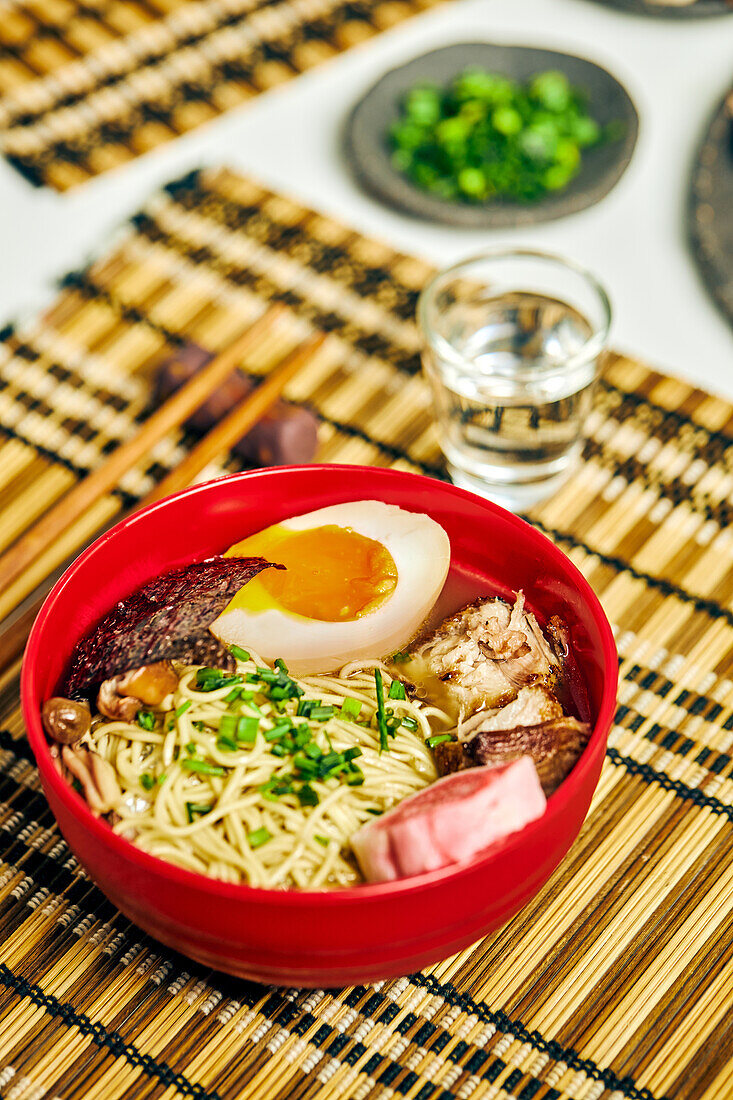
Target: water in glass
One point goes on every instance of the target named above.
(512, 399)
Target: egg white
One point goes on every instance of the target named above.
(420, 549)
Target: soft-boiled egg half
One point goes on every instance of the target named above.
(359, 580)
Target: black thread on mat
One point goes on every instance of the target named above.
(503, 1022)
(79, 471)
(651, 775)
(445, 990)
(110, 1040)
(363, 278)
(28, 170)
(191, 181)
(375, 1007)
(369, 342)
(676, 491)
(137, 62)
(82, 282)
(660, 685)
(17, 745)
(666, 587)
(121, 129)
(673, 416)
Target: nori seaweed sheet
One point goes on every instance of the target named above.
(165, 619)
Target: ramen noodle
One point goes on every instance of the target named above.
(255, 776)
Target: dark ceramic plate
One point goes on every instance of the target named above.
(711, 208)
(664, 8)
(369, 155)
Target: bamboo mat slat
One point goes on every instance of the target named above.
(88, 85)
(616, 982)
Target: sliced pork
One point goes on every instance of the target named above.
(452, 820)
(532, 705)
(483, 655)
(554, 746)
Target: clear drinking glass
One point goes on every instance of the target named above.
(512, 343)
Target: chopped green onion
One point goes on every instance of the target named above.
(355, 778)
(302, 736)
(306, 767)
(183, 707)
(313, 751)
(277, 731)
(258, 837)
(307, 796)
(279, 750)
(438, 739)
(381, 718)
(247, 729)
(322, 714)
(375, 813)
(226, 744)
(191, 748)
(234, 694)
(211, 679)
(350, 708)
(202, 766)
(267, 675)
(351, 754)
(400, 655)
(322, 840)
(275, 786)
(196, 808)
(239, 653)
(227, 725)
(279, 663)
(161, 779)
(409, 723)
(145, 719)
(147, 782)
(397, 690)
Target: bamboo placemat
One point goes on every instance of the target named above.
(87, 85)
(616, 982)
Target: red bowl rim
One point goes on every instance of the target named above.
(303, 898)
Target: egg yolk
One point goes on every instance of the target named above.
(331, 573)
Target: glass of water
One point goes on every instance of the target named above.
(512, 344)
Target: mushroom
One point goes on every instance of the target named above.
(66, 720)
(96, 776)
(122, 696)
(56, 759)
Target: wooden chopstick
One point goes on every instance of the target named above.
(237, 423)
(14, 637)
(95, 485)
(216, 442)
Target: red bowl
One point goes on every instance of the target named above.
(345, 936)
